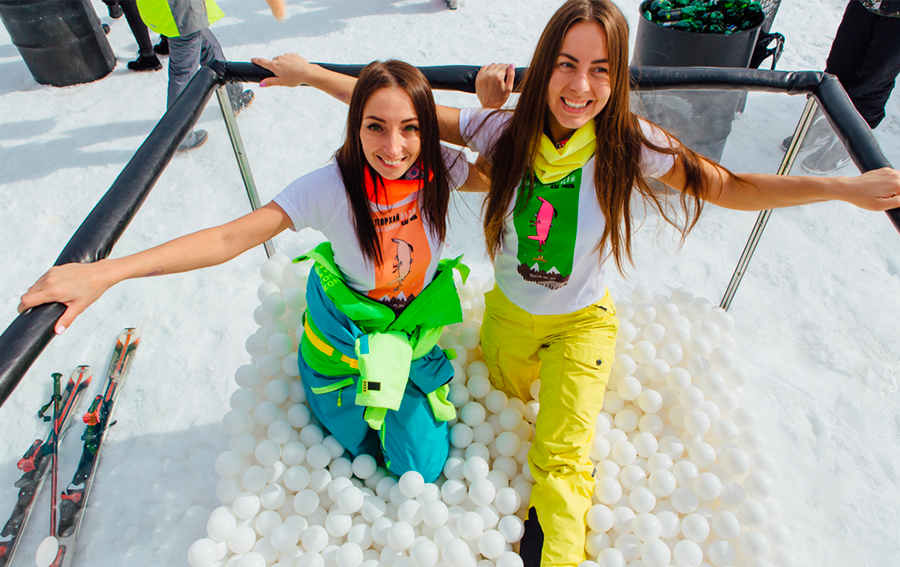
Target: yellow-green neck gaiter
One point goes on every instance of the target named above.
(552, 164)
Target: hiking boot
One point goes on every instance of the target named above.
(193, 140)
(242, 101)
(162, 48)
(145, 63)
(830, 157)
(115, 11)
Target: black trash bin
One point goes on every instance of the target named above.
(61, 41)
(701, 119)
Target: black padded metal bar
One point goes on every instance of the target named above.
(27, 336)
(31, 331)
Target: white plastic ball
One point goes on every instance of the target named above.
(228, 464)
(608, 490)
(470, 526)
(670, 524)
(221, 524)
(298, 415)
(435, 514)
(411, 484)
(721, 553)
(655, 553)
(455, 553)
(642, 499)
(646, 527)
(461, 435)
(703, 455)
(479, 386)
(338, 523)
(755, 545)
(643, 352)
(695, 527)
(453, 492)
(482, 492)
(318, 456)
(507, 501)
(662, 483)
(707, 486)
(246, 505)
(611, 557)
(684, 500)
(424, 553)
(512, 528)
(472, 414)
(272, 497)
(349, 555)
(242, 540)
(758, 485)
(599, 518)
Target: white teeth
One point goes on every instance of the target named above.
(391, 163)
(574, 105)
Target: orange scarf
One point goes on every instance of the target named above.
(392, 191)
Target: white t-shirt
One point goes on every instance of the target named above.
(548, 262)
(410, 252)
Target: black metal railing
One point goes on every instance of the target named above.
(30, 332)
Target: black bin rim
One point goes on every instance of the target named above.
(646, 4)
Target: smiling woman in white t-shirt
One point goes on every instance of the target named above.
(382, 205)
(564, 168)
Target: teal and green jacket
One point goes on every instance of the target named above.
(347, 334)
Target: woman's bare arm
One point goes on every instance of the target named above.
(77, 286)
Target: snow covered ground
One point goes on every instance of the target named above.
(814, 313)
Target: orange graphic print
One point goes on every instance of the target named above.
(405, 252)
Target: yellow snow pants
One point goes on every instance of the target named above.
(572, 354)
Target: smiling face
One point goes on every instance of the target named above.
(390, 132)
(579, 86)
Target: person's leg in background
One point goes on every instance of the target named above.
(147, 59)
(865, 57)
(184, 60)
(115, 11)
(211, 50)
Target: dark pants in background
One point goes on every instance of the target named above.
(186, 54)
(865, 56)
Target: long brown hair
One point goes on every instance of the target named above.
(435, 193)
(619, 139)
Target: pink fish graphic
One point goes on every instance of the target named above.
(542, 223)
(404, 260)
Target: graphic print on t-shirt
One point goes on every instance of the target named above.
(546, 227)
(405, 255)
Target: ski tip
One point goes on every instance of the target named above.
(46, 552)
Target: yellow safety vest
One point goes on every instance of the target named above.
(174, 18)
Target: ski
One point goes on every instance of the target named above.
(97, 420)
(35, 463)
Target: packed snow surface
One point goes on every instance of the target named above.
(812, 317)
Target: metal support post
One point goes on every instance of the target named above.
(806, 120)
(240, 154)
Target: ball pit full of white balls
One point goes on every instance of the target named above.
(673, 447)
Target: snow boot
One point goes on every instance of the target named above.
(819, 134)
(115, 11)
(145, 63)
(830, 157)
(162, 48)
(193, 140)
(242, 101)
